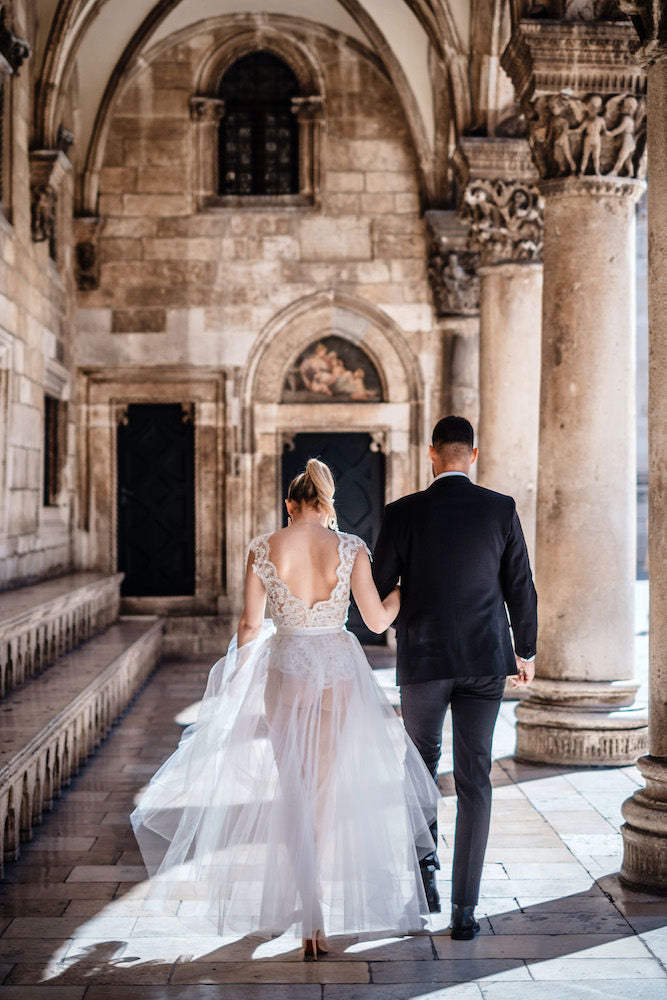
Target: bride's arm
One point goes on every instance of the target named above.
(378, 615)
(252, 616)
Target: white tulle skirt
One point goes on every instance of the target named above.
(296, 801)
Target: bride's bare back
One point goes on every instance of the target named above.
(306, 558)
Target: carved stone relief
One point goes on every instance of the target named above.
(13, 50)
(454, 280)
(505, 219)
(206, 109)
(43, 213)
(593, 135)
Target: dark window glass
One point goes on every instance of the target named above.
(259, 132)
(52, 438)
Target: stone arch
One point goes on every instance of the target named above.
(302, 322)
(268, 424)
(267, 38)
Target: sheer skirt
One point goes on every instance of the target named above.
(296, 800)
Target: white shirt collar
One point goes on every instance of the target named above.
(444, 474)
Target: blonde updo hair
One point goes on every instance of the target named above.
(315, 486)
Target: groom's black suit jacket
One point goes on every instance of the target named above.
(461, 557)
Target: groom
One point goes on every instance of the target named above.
(460, 554)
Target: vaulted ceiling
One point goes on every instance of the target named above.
(424, 47)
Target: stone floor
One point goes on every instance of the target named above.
(556, 922)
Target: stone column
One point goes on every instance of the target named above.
(501, 205)
(587, 144)
(645, 830)
(452, 269)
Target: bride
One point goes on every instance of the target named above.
(296, 800)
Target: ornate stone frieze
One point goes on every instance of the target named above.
(454, 280)
(505, 219)
(602, 136)
(575, 10)
(13, 50)
(206, 109)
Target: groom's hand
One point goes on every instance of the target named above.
(526, 672)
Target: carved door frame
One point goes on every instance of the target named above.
(104, 395)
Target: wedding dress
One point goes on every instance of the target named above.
(296, 800)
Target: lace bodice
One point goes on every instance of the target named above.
(286, 607)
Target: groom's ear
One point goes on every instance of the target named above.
(475, 453)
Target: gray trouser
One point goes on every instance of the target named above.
(475, 702)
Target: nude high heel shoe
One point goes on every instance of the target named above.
(312, 947)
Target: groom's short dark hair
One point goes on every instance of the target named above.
(453, 430)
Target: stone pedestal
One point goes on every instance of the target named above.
(645, 829)
(509, 365)
(587, 141)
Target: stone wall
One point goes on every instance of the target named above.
(201, 286)
(36, 310)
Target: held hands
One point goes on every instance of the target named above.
(526, 672)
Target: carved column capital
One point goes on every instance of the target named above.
(583, 97)
(13, 50)
(206, 109)
(499, 199)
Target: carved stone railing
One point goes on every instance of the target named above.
(38, 624)
(58, 719)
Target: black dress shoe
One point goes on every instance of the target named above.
(464, 925)
(431, 889)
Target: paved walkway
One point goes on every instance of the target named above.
(556, 923)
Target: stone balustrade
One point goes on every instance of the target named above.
(49, 726)
(40, 623)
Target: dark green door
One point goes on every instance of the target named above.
(359, 475)
(156, 501)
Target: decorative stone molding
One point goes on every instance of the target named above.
(13, 50)
(583, 97)
(206, 109)
(87, 231)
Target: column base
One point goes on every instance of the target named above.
(645, 830)
(581, 724)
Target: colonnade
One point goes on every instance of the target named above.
(552, 219)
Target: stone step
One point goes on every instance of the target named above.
(39, 623)
(51, 724)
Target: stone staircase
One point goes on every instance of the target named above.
(68, 669)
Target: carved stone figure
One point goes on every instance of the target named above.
(593, 128)
(43, 213)
(455, 281)
(626, 129)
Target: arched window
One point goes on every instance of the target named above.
(259, 131)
